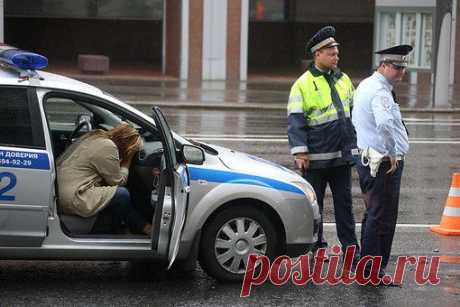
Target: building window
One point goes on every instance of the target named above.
(409, 33)
(388, 29)
(427, 37)
(267, 10)
(412, 28)
(84, 9)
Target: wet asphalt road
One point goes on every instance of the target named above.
(126, 284)
(435, 153)
(255, 91)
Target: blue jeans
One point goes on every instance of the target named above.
(118, 210)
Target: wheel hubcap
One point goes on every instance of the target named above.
(236, 240)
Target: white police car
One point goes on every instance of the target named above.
(207, 202)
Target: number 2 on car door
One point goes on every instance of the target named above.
(11, 184)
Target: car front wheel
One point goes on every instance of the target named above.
(231, 236)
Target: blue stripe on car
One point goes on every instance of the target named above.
(213, 175)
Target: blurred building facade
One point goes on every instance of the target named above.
(222, 39)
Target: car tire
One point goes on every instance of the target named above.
(256, 225)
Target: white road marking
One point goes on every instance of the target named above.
(431, 124)
(281, 136)
(234, 135)
(412, 119)
(397, 225)
(242, 140)
(434, 142)
(283, 139)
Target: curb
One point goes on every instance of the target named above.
(430, 110)
(259, 106)
(208, 106)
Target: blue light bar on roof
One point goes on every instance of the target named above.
(23, 59)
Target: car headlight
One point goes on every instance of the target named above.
(307, 189)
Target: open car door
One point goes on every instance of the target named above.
(171, 207)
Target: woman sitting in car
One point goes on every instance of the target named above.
(91, 174)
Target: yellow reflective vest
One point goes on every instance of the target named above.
(319, 120)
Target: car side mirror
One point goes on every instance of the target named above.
(192, 154)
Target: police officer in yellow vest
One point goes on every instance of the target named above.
(321, 135)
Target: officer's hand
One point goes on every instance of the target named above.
(394, 165)
(302, 161)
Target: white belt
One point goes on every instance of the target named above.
(372, 158)
(359, 151)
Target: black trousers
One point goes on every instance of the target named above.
(381, 196)
(118, 210)
(339, 180)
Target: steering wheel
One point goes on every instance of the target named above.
(81, 124)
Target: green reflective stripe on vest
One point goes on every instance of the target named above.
(295, 104)
(331, 110)
(296, 100)
(295, 110)
(325, 156)
(325, 119)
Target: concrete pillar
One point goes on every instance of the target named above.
(233, 39)
(237, 39)
(195, 54)
(185, 22)
(457, 52)
(441, 90)
(244, 40)
(215, 39)
(441, 57)
(2, 23)
(172, 37)
(453, 42)
(206, 39)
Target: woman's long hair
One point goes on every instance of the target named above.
(124, 136)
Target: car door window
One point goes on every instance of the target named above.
(63, 118)
(62, 113)
(19, 128)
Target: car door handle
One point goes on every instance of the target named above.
(186, 189)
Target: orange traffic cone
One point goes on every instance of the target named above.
(450, 221)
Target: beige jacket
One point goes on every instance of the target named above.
(88, 174)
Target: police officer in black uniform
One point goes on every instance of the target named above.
(321, 135)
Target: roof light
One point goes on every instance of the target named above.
(23, 59)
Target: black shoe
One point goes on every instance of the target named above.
(381, 283)
(391, 284)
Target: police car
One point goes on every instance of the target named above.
(208, 203)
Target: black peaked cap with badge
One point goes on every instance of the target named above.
(324, 38)
(396, 55)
